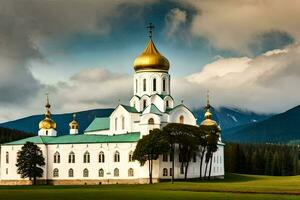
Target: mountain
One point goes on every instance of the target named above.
(8, 135)
(280, 128)
(227, 117)
(232, 117)
(30, 124)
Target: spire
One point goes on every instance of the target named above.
(207, 101)
(150, 28)
(47, 106)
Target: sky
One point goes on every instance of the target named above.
(81, 52)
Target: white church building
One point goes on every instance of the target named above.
(103, 153)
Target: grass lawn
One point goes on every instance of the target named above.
(233, 187)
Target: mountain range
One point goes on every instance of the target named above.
(226, 117)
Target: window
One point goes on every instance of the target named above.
(101, 173)
(6, 171)
(164, 84)
(144, 85)
(154, 84)
(171, 171)
(130, 159)
(165, 172)
(101, 157)
(117, 157)
(151, 121)
(181, 169)
(71, 172)
(85, 172)
(116, 123)
(116, 172)
(7, 157)
(167, 104)
(130, 172)
(165, 157)
(194, 157)
(181, 119)
(144, 103)
(56, 157)
(86, 157)
(72, 157)
(123, 122)
(136, 85)
(55, 173)
(171, 157)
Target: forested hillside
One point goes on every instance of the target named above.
(7, 135)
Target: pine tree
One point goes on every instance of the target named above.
(29, 162)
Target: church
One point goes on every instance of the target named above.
(102, 154)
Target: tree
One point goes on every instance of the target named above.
(29, 162)
(185, 136)
(149, 148)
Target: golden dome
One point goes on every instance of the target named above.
(47, 123)
(73, 124)
(208, 119)
(151, 60)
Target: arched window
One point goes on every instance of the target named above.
(165, 157)
(116, 123)
(154, 84)
(56, 157)
(101, 157)
(7, 157)
(130, 172)
(165, 172)
(164, 84)
(123, 123)
(71, 172)
(144, 85)
(181, 119)
(130, 155)
(144, 103)
(101, 172)
(151, 121)
(136, 85)
(86, 157)
(55, 173)
(85, 172)
(117, 157)
(167, 104)
(72, 157)
(116, 172)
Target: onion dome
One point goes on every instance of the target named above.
(47, 123)
(208, 121)
(150, 59)
(73, 124)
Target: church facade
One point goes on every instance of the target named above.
(103, 153)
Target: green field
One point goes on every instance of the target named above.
(233, 187)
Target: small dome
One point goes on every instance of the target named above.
(208, 119)
(151, 60)
(47, 123)
(73, 124)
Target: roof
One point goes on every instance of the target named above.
(99, 124)
(152, 109)
(80, 139)
(130, 109)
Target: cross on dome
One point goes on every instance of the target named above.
(150, 28)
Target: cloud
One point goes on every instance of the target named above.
(175, 21)
(266, 83)
(238, 25)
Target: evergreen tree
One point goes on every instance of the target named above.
(29, 162)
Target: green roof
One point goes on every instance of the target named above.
(99, 124)
(154, 109)
(130, 109)
(80, 139)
